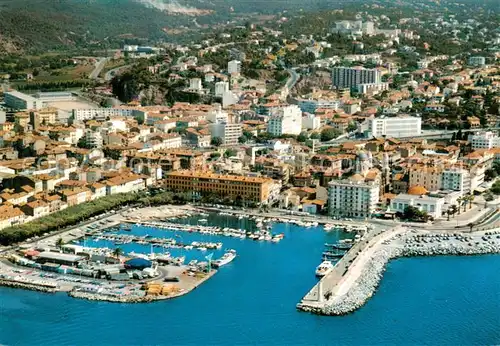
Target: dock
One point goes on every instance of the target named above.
(333, 284)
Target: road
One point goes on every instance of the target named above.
(99, 65)
(111, 73)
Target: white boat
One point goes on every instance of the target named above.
(324, 268)
(203, 220)
(225, 259)
(202, 248)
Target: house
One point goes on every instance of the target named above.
(10, 216)
(36, 209)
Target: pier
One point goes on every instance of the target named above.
(356, 276)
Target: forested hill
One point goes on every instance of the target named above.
(50, 24)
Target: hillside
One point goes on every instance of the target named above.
(41, 24)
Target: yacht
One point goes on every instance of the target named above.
(225, 259)
(324, 268)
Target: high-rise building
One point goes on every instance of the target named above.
(234, 66)
(221, 87)
(285, 120)
(229, 133)
(347, 77)
(400, 126)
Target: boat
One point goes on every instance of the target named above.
(203, 220)
(324, 268)
(225, 259)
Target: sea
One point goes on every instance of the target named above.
(420, 301)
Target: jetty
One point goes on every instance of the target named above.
(356, 276)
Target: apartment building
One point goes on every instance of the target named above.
(285, 120)
(456, 179)
(17, 100)
(234, 66)
(429, 177)
(484, 140)
(347, 77)
(234, 187)
(352, 198)
(229, 133)
(400, 126)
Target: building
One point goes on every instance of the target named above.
(433, 206)
(252, 189)
(195, 84)
(285, 120)
(45, 116)
(484, 140)
(221, 87)
(358, 195)
(234, 66)
(101, 113)
(311, 105)
(17, 100)
(477, 61)
(311, 121)
(456, 179)
(228, 132)
(352, 198)
(400, 126)
(93, 139)
(347, 77)
(427, 177)
(372, 88)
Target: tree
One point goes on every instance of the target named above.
(59, 243)
(453, 210)
(315, 135)
(242, 139)
(302, 137)
(117, 252)
(352, 127)
(329, 134)
(230, 152)
(216, 141)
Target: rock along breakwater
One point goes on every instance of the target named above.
(402, 245)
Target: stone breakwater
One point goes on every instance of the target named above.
(365, 286)
(112, 298)
(28, 286)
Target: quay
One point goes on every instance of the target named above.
(355, 278)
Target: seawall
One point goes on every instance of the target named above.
(365, 285)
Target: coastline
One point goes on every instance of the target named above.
(366, 283)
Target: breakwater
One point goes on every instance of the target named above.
(402, 245)
(33, 286)
(112, 298)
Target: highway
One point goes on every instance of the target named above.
(111, 73)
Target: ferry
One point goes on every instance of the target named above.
(324, 268)
(228, 257)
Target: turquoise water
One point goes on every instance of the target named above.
(442, 300)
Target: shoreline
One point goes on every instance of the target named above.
(366, 284)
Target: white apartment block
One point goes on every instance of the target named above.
(477, 61)
(221, 87)
(346, 77)
(229, 133)
(285, 120)
(93, 139)
(372, 88)
(433, 206)
(401, 126)
(100, 113)
(484, 140)
(17, 100)
(456, 179)
(352, 198)
(234, 66)
(218, 116)
(311, 122)
(310, 105)
(195, 84)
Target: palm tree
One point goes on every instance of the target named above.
(470, 198)
(448, 212)
(454, 209)
(59, 243)
(117, 252)
(459, 201)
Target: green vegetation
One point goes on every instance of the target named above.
(414, 214)
(64, 218)
(329, 134)
(216, 141)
